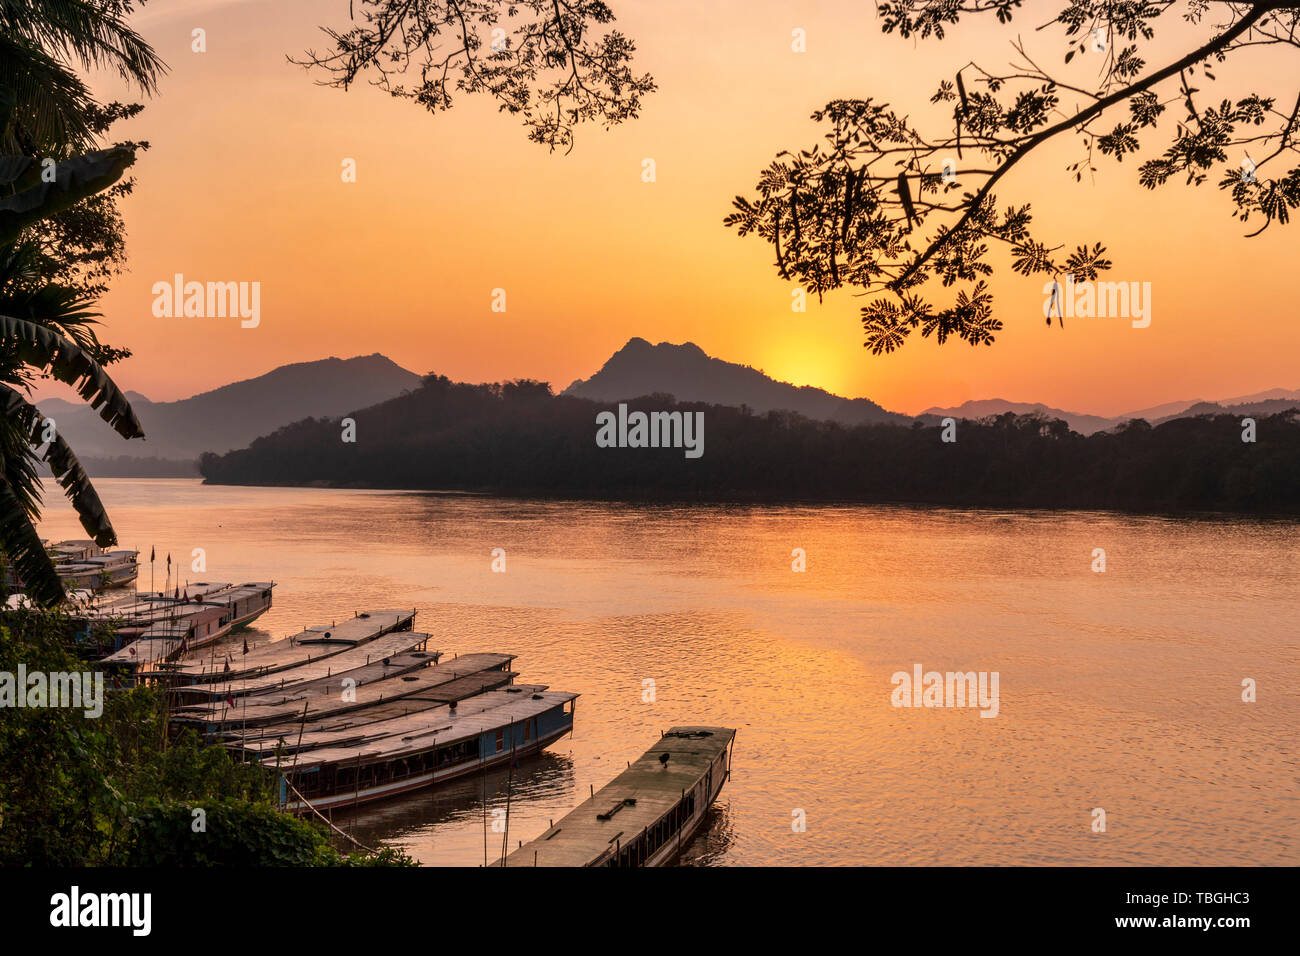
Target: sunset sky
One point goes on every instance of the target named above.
(242, 183)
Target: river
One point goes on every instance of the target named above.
(1118, 691)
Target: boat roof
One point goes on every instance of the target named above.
(447, 727)
(640, 795)
(108, 557)
(326, 701)
(438, 685)
(296, 681)
(308, 645)
(474, 694)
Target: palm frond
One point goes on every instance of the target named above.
(88, 32)
(47, 350)
(72, 478)
(46, 100)
(19, 540)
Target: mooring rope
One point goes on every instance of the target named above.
(328, 822)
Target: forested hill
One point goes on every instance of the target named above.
(519, 438)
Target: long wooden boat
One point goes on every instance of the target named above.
(466, 695)
(247, 602)
(371, 722)
(324, 674)
(323, 700)
(196, 627)
(310, 644)
(645, 815)
(149, 630)
(439, 746)
(108, 569)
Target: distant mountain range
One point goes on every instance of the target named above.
(232, 416)
(1258, 405)
(227, 417)
(690, 375)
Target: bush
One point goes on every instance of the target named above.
(115, 790)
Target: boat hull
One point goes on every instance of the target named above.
(421, 782)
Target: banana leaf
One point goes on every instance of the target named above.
(68, 472)
(47, 350)
(75, 179)
(22, 544)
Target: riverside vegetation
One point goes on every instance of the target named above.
(518, 438)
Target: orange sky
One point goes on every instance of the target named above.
(242, 183)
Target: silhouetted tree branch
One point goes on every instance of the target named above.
(556, 67)
(850, 212)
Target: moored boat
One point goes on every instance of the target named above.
(453, 744)
(648, 813)
(312, 643)
(386, 657)
(321, 699)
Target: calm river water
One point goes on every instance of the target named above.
(1119, 690)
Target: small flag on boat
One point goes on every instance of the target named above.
(245, 645)
(151, 554)
(230, 700)
(226, 669)
(185, 643)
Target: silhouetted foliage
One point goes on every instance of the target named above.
(519, 439)
(850, 211)
(117, 790)
(554, 63)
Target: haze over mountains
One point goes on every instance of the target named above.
(234, 415)
(1258, 405)
(227, 417)
(689, 375)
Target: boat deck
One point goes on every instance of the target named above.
(637, 800)
(394, 722)
(310, 644)
(296, 681)
(494, 710)
(326, 702)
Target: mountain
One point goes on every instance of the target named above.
(688, 374)
(1260, 404)
(1252, 409)
(985, 408)
(1159, 412)
(516, 438)
(233, 415)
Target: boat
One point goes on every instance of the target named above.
(195, 627)
(84, 565)
(387, 656)
(645, 815)
(247, 602)
(393, 678)
(108, 569)
(441, 686)
(151, 631)
(311, 643)
(325, 702)
(496, 729)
